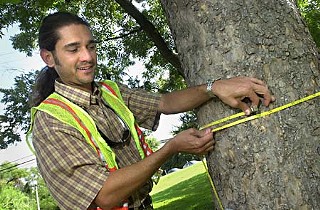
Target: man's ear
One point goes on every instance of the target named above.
(47, 57)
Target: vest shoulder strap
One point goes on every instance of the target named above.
(73, 115)
(112, 87)
(111, 94)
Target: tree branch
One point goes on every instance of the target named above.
(124, 35)
(152, 33)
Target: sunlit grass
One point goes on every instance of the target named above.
(188, 188)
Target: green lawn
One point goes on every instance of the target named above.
(186, 189)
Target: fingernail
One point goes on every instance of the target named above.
(247, 111)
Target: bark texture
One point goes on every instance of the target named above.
(271, 162)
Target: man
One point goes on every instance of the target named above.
(85, 134)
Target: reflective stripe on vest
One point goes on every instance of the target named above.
(73, 115)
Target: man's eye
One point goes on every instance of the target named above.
(92, 47)
(73, 50)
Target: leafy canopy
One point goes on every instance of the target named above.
(122, 41)
(310, 10)
(17, 187)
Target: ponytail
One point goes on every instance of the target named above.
(44, 85)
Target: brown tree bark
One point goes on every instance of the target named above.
(271, 162)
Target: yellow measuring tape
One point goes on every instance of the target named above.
(228, 125)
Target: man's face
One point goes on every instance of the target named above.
(74, 57)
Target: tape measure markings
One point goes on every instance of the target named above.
(249, 118)
(263, 114)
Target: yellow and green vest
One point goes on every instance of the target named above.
(73, 115)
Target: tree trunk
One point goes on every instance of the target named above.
(271, 162)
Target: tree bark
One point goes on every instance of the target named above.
(271, 162)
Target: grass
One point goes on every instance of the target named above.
(186, 189)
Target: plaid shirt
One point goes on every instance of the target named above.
(71, 169)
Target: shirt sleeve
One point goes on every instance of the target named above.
(144, 106)
(71, 169)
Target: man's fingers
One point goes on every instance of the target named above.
(254, 98)
(207, 151)
(207, 147)
(261, 90)
(244, 107)
(207, 138)
(257, 81)
(201, 133)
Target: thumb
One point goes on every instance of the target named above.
(244, 107)
(207, 131)
(201, 133)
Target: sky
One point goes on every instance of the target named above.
(14, 63)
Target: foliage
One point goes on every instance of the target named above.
(310, 10)
(189, 120)
(11, 198)
(12, 187)
(121, 42)
(153, 143)
(178, 160)
(10, 174)
(17, 186)
(16, 115)
(121, 38)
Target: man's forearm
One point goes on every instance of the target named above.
(123, 182)
(230, 91)
(183, 100)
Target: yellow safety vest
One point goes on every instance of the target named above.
(73, 115)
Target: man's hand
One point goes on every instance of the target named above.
(193, 141)
(233, 91)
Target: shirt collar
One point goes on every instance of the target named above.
(77, 96)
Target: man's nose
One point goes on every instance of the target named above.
(86, 55)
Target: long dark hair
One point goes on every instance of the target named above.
(48, 37)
